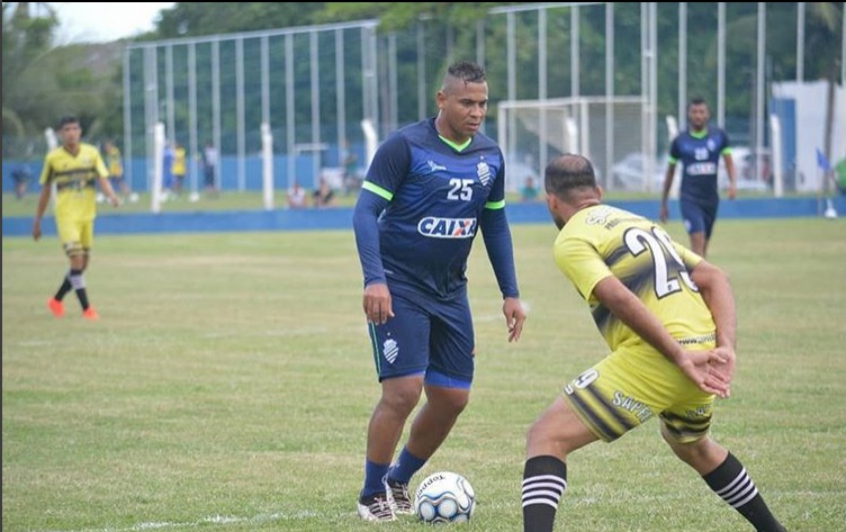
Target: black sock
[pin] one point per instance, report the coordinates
(78, 283)
(544, 481)
(731, 482)
(64, 289)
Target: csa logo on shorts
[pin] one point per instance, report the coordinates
(391, 350)
(447, 227)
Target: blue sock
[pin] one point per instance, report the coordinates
(407, 464)
(373, 478)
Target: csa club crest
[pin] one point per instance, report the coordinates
(391, 350)
(484, 172)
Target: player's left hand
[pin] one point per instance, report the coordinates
(515, 315)
(697, 365)
(723, 363)
(115, 201)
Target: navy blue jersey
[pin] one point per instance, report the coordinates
(435, 196)
(699, 155)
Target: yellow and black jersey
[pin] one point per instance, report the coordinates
(601, 241)
(75, 177)
(113, 162)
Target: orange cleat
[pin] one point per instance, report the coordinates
(56, 307)
(91, 314)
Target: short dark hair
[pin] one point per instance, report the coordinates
(67, 119)
(467, 71)
(697, 101)
(568, 172)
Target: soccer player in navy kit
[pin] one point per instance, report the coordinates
(699, 150)
(431, 187)
(669, 319)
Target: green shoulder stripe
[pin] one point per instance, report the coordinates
(376, 189)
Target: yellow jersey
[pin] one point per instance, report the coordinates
(602, 241)
(179, 167)
(113, 162)
(75, 177)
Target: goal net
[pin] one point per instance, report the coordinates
(611, 132)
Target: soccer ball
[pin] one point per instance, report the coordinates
(445, 497)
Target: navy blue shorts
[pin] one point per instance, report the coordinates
(698, 218)
(433, 338)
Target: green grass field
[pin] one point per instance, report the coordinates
(228, 386)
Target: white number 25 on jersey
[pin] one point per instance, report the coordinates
(460, 189)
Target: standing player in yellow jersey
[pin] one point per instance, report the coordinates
(114, 164)
(179, 168)
(73, 168)
(668, 317)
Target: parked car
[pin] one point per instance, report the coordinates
(745, 163)
(627, 174)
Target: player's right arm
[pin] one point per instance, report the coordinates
(44, 198)
(388, 168)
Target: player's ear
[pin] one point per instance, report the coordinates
(599, 192)
(551, 201)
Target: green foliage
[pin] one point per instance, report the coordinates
(207, 18)
(26, 41)
(41, 81)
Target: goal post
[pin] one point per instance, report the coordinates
(607, 130)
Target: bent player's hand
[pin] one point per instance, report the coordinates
(36, 230)
(723, 363)
(515, 315)
(697, 365)
(377, 303)
(115, 201)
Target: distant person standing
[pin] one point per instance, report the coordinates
(699, 149)
(167, 169)
(529, 192)
(21, 175)
(210, 160)
(73, 168)
(180, 168)
(114, 164)
(350, 162)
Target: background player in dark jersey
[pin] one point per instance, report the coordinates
(668, 317)
(699, 149)
(431, 187)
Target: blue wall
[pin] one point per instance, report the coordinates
(341, 218)
(303, 167)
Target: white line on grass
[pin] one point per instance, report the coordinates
(214, 520)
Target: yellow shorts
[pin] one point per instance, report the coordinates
(77, 236)
(629, 387)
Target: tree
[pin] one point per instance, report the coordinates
(26, 39)
(824, 19)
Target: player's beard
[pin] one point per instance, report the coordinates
(559, 221)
